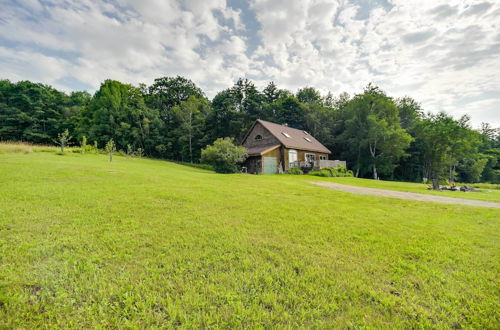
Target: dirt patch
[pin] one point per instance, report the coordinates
(405, 195)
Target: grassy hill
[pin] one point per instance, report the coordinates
(138, 243)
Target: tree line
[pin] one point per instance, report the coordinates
(379, 136)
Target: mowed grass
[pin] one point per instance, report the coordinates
(143, 243)
(484, 192)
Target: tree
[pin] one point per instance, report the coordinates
(110, 149)
(290, 111)
(34, 112)
(372, 133)
(445, 143)
(192, 114)
(63, 139)
(165, 96)
(117, 111)
(84, 144)
(224, 155)
(308, 95)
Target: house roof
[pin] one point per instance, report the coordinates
(257, 151)
(294, 138)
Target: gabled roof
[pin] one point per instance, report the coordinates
(292, 137)
(257, 151)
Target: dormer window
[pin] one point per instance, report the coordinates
(258, 137)
(305, 133)
(307, 139)
(286, 134)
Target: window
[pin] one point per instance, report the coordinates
(307, 139)
(286, 134)
(305, 133)
(258, 137)
(292, 158)
(323, 157)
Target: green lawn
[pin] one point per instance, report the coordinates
(144, 243)
(486, 194)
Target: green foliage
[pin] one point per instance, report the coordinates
(63, 139)
(373, 134)
(295, 171)
(380, 137)
(110, 149)
(333, 172)
(84, 144)
(323, 173)
(224, 155)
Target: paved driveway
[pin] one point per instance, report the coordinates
(405, 195)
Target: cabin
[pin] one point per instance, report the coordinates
(274, 148)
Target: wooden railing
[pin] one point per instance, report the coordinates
(317, 164)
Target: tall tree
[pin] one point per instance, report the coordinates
(445, 142)
(373, 133)
(117, 111)
(192, 114)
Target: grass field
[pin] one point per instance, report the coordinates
(486, 192)
(145, 243)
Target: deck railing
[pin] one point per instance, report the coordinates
(317, 164)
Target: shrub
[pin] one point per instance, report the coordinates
(295, 171)
(339, 171)
(323, 173)
(224, 155)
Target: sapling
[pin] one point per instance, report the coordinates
(129, 150)
(96, 150)
(63, 138)
(110, 149)
(84, 144)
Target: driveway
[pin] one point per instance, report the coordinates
(405, 195)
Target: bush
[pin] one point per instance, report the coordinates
(323, 173)
(295, 171)
(224, 155)
(339, 171)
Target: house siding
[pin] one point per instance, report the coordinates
(267, 137)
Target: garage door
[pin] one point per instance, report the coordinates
(270, 165)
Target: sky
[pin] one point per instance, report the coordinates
(444, 54)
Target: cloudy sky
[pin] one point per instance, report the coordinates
(445, 54)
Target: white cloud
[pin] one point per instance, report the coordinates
(445, 54)
(436, 53)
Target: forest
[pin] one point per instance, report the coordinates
(379, 136)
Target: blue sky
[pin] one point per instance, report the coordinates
(445, 54)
